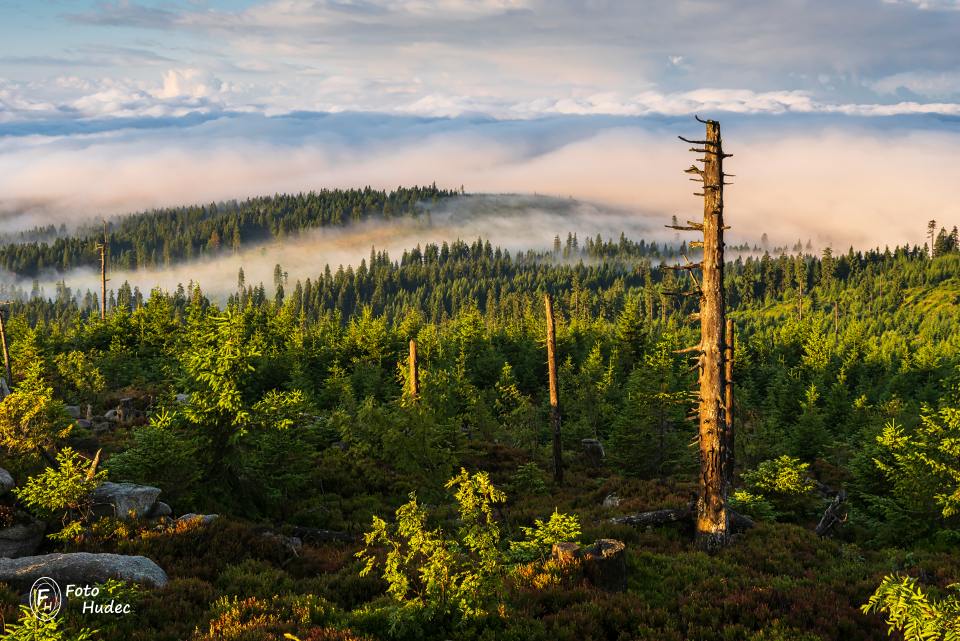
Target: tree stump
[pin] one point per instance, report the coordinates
(566, 553)
(605, 564)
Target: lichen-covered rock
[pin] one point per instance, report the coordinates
(203, 519)
(81, 568)
(124, 500)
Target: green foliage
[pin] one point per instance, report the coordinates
(162, 456)
(753, 505)
(539, 539)
(447, 578)
(528, 479)
(646, 438)
(912, 612)
(79, 376)
(62, 491)
(30, 417)
(30, 628)
(923, 464)
(782, 483)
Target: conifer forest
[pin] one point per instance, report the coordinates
(583, 347)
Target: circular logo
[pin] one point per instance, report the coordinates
(45, 599)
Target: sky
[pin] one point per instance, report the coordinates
(842, 116)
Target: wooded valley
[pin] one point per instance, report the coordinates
(369, 453)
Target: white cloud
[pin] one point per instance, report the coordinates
(928, 5)
(189, 83)
(923, 83)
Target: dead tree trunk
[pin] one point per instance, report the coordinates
(554, 392)
(414, 372)
(728, 436)
(711, 509)
(712, 522)
(103, 274)
(6, 352)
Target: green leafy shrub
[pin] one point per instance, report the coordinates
(427, 571)
(159, 456)
(752, 505)
(62, 492)
(539, 539)
(910, 611)
(31, 419)
(528, 479)
(784, 483)
(922, 463)
(30, 628)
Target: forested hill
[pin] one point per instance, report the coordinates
(289, 408)
(164, 236)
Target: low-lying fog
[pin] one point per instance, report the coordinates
(511, 222)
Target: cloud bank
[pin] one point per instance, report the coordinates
(851, 185)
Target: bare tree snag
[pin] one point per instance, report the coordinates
(728, 436)
(102, 247)
(834, 515)
(554, 392)
(712, 521)
(6, 352)
(414, 371)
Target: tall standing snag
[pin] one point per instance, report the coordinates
(712, 523)
(554, 392)
(102, 247)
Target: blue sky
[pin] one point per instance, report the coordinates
(107, 106)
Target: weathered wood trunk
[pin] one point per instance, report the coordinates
(414, 371)
(103, 274)
(729, 433)
(834, 515)
(712, 525)
(554, 392)
(6, 352)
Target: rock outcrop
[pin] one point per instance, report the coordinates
(124, 500)
(81, 568)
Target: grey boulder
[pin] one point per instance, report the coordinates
(203, 519)
(22, 539)
(124, 500)
(81, 568)
(6, 481)
(160, 509)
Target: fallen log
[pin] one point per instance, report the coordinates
(657, 517)
(737, 522)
